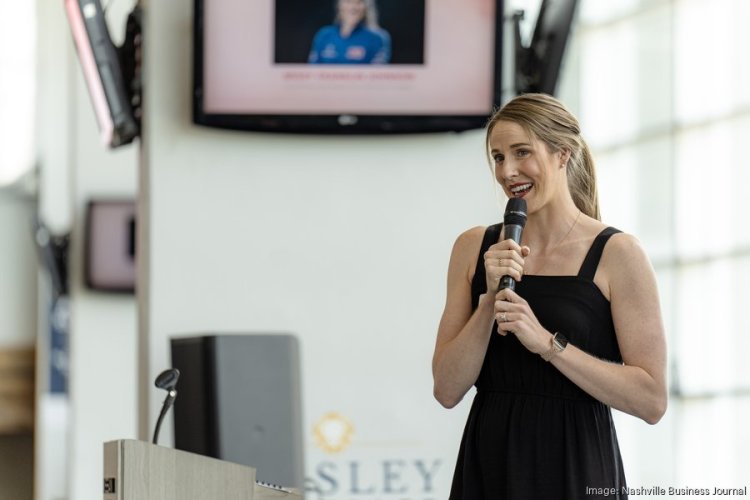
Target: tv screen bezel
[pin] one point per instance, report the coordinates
(346, 123)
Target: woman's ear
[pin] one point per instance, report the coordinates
(564, 157)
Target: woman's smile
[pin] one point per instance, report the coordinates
(519, 190)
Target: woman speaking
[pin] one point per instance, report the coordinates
(581, 333)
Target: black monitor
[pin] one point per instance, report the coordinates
(300, 66)
(538, 65)
(101, 66)
(109, 251)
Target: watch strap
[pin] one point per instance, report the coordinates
(558, 343)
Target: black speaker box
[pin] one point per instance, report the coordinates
(239, 399)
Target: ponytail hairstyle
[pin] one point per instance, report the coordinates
(544, 117)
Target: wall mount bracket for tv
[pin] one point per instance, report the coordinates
(538, 63)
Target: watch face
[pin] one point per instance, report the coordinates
(561, 341)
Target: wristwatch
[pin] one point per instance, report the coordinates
(558, 344)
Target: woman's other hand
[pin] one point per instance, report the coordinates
(513, 314)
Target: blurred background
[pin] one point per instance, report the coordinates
(344, 242)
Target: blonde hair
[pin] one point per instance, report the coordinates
(547, 119)
(371, 14)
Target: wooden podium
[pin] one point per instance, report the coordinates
(137, 470)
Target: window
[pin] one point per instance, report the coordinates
(17, 90)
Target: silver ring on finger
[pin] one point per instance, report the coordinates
(503, 317)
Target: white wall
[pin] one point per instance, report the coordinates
(74, 168)
(343, 241)
(103, 328)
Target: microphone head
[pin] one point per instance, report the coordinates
(167, 379)
(515, 212)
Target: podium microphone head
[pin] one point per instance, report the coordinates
(167, 379)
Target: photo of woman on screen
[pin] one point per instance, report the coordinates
(355, 37)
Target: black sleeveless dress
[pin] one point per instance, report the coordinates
(531, 432)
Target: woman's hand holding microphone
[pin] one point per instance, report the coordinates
(512, 313)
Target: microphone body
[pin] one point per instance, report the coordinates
(513, 224)
(166, 380)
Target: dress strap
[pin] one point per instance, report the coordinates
(478, 283)
(591, 262)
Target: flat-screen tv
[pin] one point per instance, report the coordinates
(109, 253)
(101, 66)
(347, 66)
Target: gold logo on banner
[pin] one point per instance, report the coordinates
(333, 432)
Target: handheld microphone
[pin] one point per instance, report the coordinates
(513, 224)
(166, 380)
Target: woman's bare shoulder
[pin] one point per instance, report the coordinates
(624, 261)
(466, 249)
(471, 237)
(623, 249)
(470, 241)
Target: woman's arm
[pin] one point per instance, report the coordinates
(638, 386)
(463, 336)
(383, 52)
(317, 45)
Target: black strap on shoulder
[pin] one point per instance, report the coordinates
(479, 283)
(591, 262)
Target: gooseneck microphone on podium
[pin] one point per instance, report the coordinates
(513, 224)
(166, 380)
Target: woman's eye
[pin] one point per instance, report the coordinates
(521, 153)
(498, 158)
